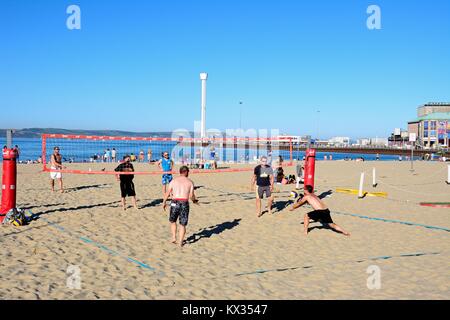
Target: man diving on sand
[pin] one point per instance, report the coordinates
(321, 213)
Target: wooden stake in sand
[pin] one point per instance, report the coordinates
(361, 184)
(448, 175)
(374, 178)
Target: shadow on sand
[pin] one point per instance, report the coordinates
(108, 204)
(153, 203)
(86, 187)
(210, 231)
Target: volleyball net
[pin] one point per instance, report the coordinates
(83, 154)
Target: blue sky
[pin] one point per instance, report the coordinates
(135, 65)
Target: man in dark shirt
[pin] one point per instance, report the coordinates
(263, 178)
(126, 181)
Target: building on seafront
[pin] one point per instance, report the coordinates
(432, 125)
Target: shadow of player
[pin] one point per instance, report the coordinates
(213, 230)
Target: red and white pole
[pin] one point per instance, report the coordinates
(310, 167)
(9, 179)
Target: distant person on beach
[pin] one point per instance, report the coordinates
(56, 165)
(279, 175)
(213, 158)
(299, 170)
(16, 147)
(181, 189)
(126, 181)
(377, 158)
(280, 161)
(149, 155)
(108, 155)
(198, 158)
(113, 155)
(263, 179)
(166, 165)
(141, 156)
(321, 213)
(132, 157)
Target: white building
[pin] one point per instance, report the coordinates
(363, 142)
(380, 142)
(339, 141)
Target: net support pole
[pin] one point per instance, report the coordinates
(44, 152)
(361, 184)
(290, 150)
(9, 138)
(203, 78)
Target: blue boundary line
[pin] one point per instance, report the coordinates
(372, 218)
(96, 244)
(261, 271)
(392, 221)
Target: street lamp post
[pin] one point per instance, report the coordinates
(203, 78)
(317, 125)
(240, 115)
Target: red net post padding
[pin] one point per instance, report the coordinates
(9, 181)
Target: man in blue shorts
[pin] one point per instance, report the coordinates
(166, 165)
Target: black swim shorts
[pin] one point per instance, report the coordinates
(179, 209)
(127, 189)
(322, 216)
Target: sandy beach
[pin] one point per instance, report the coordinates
(230, 253)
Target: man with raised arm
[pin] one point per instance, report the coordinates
(55, 166)
(166, 165)
(126, 181)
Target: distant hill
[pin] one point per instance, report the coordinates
(37, 132)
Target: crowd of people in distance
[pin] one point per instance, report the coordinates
(111, 155)
(28, 161)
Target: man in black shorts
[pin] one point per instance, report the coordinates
(126, 181)
(321, 213)
(263, 178)
(181, 189)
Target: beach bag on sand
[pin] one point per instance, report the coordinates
(16, 217)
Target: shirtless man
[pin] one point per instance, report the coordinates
(321, 213)
(56, 164)
(181, 189)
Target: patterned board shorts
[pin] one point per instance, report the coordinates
(179, 209)
(166, 178)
